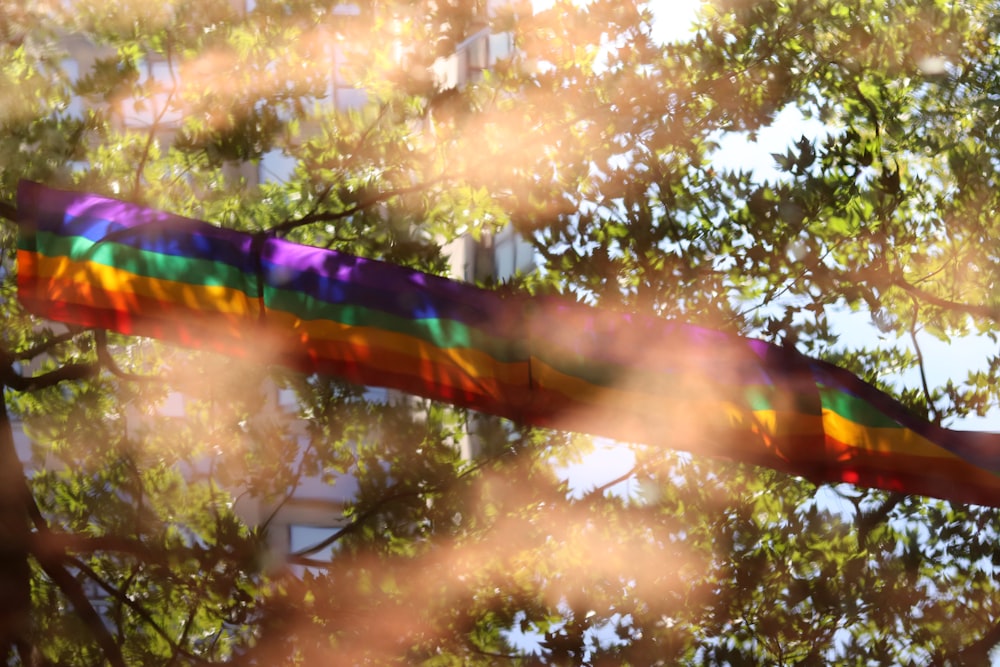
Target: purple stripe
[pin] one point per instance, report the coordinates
(99, 219)
(341, 278)
(43, 201)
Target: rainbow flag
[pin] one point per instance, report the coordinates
(97, 262)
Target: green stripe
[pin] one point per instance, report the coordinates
(663, 383)
(599, 373)
(681, 386)
(760, 397)
(775, 397)
(441, 332)
(857, 410)
(145, 263)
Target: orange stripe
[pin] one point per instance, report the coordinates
(79, 297)
(327, 334)
(427, 362)
(89, 283)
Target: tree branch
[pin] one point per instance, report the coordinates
(298, 556)
(8, 211)
(936, 417)
(47, 345)
(49, 544)
(294, 559)
(78, 371)
(15, 533)
(368, 202)
(989, 312)
(135, 607)
(292, 489)
(598, 491)
(978, 652)
(358, 522)
(155, 128)
(106, 360)
(868, 521)
(68, 584)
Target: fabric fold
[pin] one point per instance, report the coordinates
(93, 261)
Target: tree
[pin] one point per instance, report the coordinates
(595, 140)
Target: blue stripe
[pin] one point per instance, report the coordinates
(406, 300)
(212, 243)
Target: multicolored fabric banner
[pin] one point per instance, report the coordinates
(94, 261)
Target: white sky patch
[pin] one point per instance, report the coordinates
(672, 19)
(737, 151)
(609, 461)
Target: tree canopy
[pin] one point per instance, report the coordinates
(596, 139)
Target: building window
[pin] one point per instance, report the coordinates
(512, 254)
(342, 91)
(478, 51)
(501, 45)
(346, 98)
(173, 405)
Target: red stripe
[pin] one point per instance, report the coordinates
(241, 337)
(190, 329)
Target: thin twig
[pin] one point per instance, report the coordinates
(68, 584)
(154, 127)
(316, 217)
(598, 491)
(135, 607)
(936, 417)
(292, 488)
(298, 557)
(359, 521)
(185, 632)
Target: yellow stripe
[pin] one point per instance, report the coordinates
(865, 438)
(773, 423)
(206, 298)
(471, 362)
(879, 440)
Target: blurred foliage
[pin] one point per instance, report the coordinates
(595, 140)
